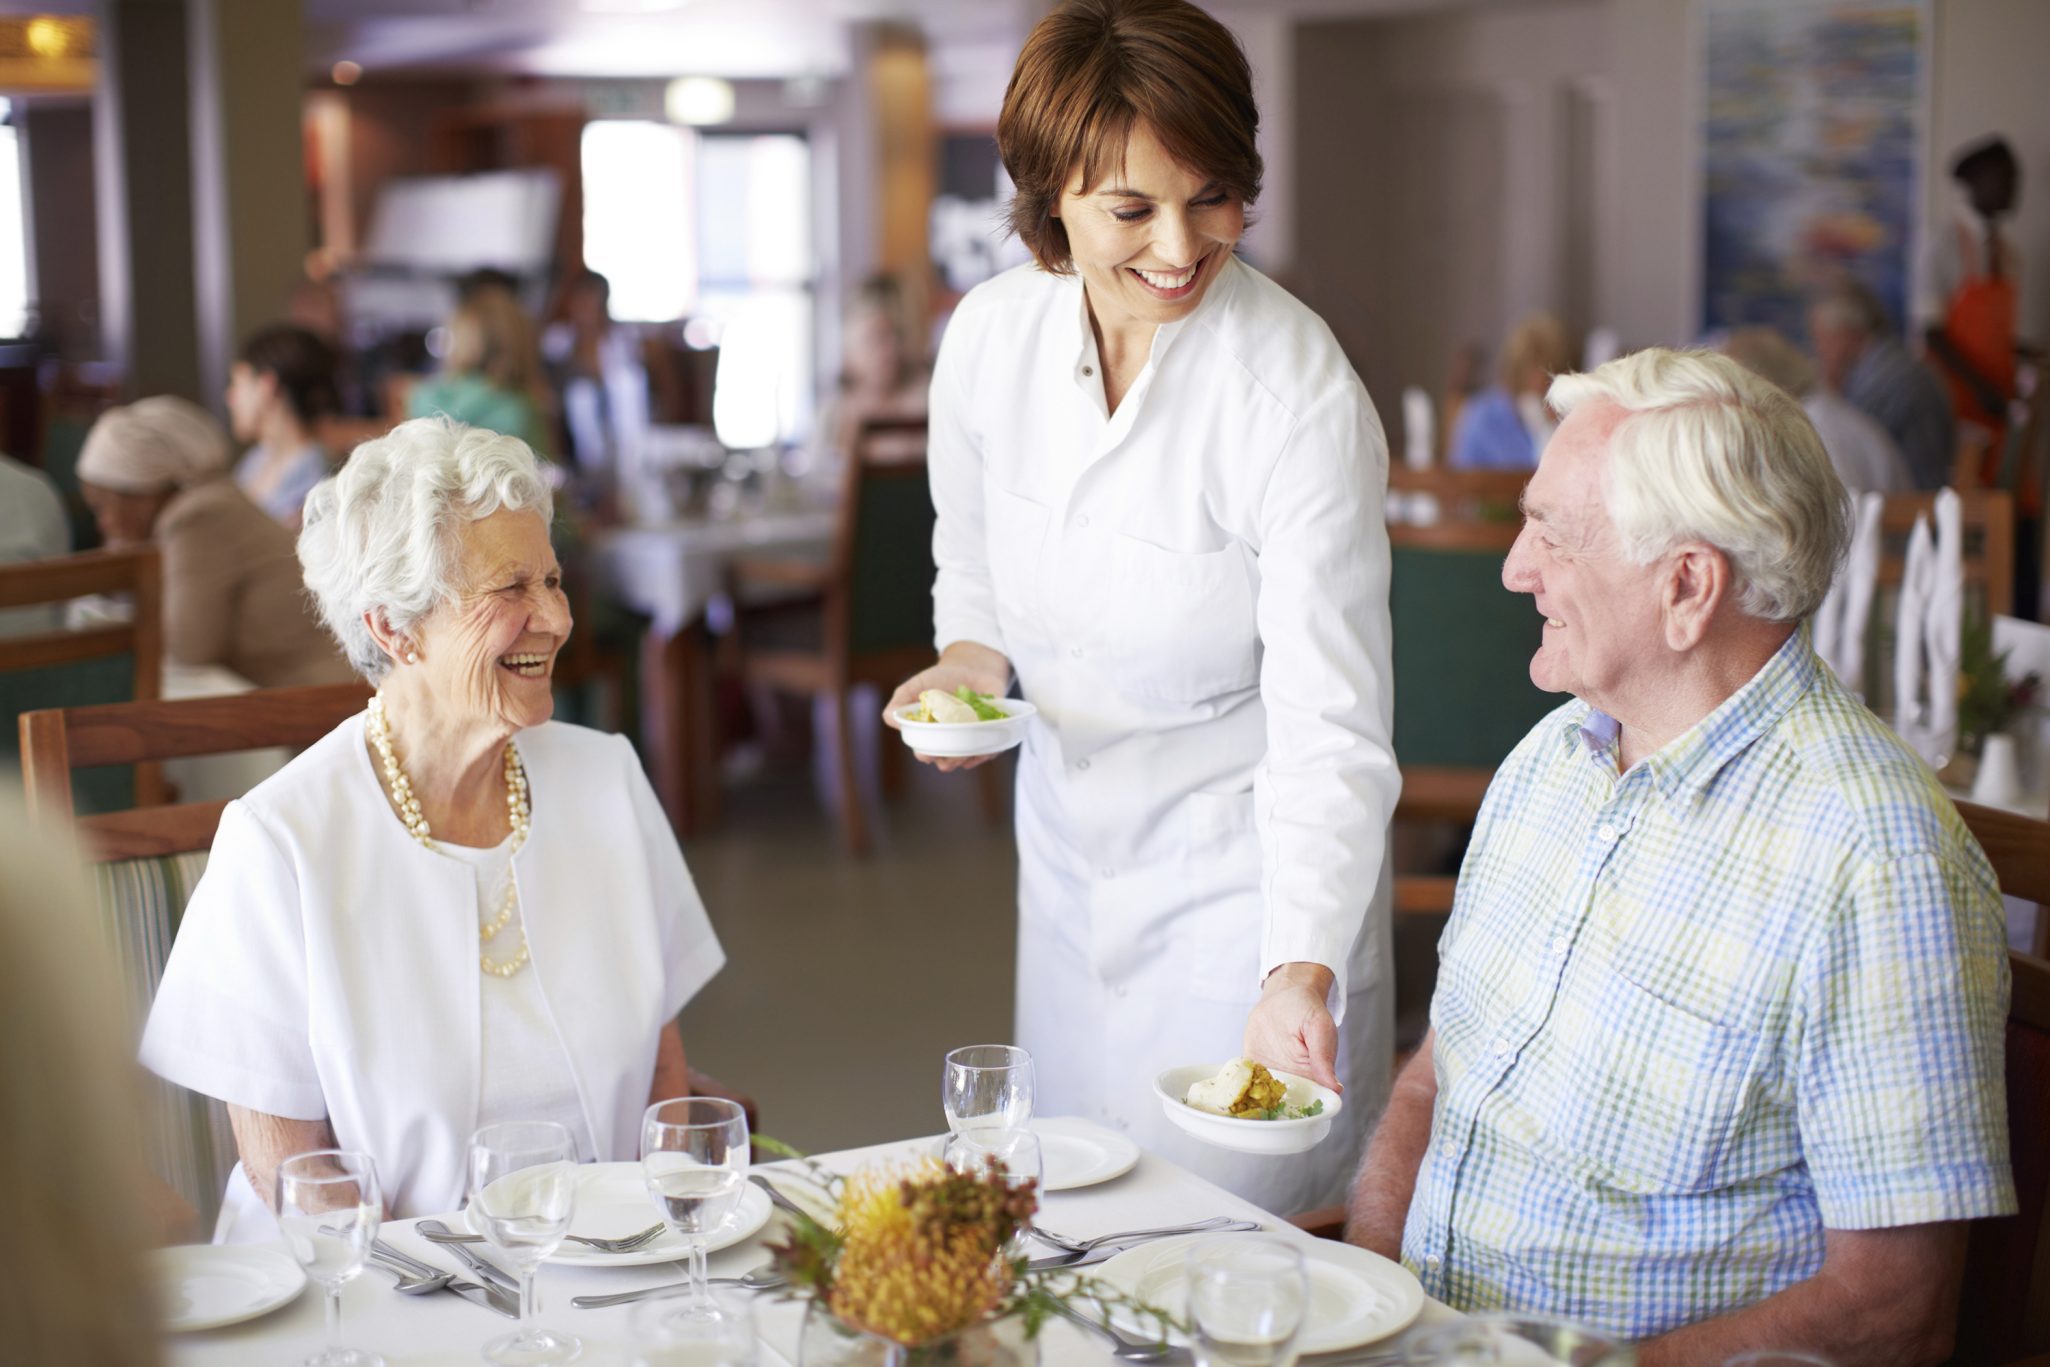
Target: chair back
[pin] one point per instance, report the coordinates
(1987, 521)
(2005, 1311)
(148, 860)
(883, 547)
(1433, 501)
(116, 662)
(1462, 646)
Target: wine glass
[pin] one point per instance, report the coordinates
(523, 1193)
(1506, 1336)
(723, 1338)
(1248, 1299)
(987, 1087)
(694, 1152)
(329, 1206)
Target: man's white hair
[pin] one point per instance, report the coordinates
(1710, 452)
(382, 534)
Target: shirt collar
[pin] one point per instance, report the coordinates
(1688, 763)
(1163, 336)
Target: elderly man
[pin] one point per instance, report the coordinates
(1715, 1055)
(1860, 361)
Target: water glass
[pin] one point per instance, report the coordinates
(329, 1206)
(694, 1153)
(987, 1087)
(724, 1337)
(523, 1194)
(1494, 1337)
(1249, 1300)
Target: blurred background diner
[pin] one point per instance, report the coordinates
(698, 255)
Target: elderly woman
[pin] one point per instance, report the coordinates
(1159, 490)
(157, 470)
(449, 911)
(1505, 425)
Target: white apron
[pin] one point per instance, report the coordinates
(1194, 592)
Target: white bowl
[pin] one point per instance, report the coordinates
(962, 739)
(1247, 1136)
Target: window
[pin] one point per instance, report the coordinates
(14, 309)
(717, 228)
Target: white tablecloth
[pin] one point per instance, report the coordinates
(669, 572)
(414, 1331)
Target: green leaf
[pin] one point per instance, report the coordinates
(980, 702)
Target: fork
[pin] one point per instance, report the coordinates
(1081, 1246)
(412, 1283)
(625, 1243)
(1125, 1348)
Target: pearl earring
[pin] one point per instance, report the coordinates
(412, 657)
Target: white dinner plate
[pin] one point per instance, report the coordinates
(1079, 1153)
(612, 1203)
(965, 739)
(204, 1286)
(1356, 1297)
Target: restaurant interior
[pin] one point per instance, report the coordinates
(701, 255)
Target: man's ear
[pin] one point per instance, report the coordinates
(1697, 581)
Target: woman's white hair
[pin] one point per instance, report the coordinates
(1711, 452)
(381, 534)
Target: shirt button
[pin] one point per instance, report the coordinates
(1082, 520)
(1501, 1045)
(1121, 992)
(1433, 1261)
(1088, 370)
(1075, 652)
(1107, 871)
(1081, 764)
(1606, 832)
(1558, 944)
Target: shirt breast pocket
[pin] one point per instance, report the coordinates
(1015, 528)
(1656, 1097)
(1182, 621)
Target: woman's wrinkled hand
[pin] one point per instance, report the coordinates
(964, 662)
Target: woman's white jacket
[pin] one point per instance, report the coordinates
(327, 965)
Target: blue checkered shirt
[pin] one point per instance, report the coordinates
(1692, 1015)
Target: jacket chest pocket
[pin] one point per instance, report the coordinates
(1181, 622)
(1014, 528)
(1659, 1095)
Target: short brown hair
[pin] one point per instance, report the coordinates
(1095, 69)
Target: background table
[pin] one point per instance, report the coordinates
(669, 573)
(415, 1331)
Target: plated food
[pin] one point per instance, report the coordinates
(1244, 1106)
(963, 723)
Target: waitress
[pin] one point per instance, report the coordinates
(1159, 489)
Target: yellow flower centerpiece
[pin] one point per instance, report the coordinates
(917, 1270)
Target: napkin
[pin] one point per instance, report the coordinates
(1910, 618)
(1845, 615)
(1945, 623)
(1419, 429)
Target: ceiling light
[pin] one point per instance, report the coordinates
(629, 6)
(698, 100)
(346, 73)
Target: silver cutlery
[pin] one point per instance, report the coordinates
(1125, 1348)
(761, 1279)
(417, 1278)
(471, 1259)
(1070, 1245)
(411, 1283)
(1103, 1253)
(626, 1243)
(778, 1199)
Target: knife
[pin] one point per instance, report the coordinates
(490, 1297)
(472, 1259)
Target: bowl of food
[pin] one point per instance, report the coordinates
(1245, 1106)
(963, 723)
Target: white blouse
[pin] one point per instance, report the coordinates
(327, 966)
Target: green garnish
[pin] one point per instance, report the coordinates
(1293, 1112)
(980, 702)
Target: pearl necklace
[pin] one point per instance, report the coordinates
(517, 806)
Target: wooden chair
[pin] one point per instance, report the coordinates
(148, 861)
(2005, 1311)
(864, 616)
(1469, 506)
(58, 666)
(1988, 523)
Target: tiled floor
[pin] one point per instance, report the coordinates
(848, 980)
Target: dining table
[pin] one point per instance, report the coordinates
(442, 1330)
(670, 572)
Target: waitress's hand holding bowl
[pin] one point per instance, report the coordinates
(964, 662)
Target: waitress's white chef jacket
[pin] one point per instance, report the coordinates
(327, 965)
(1194, 593)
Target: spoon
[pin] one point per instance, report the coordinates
(411, 1283)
